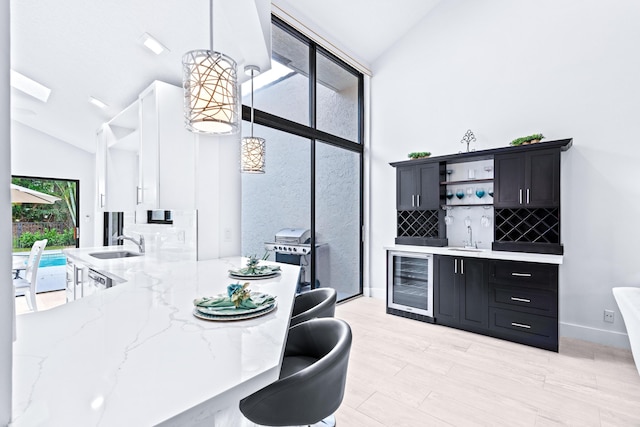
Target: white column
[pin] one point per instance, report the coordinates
(7, 298)
(218, 196)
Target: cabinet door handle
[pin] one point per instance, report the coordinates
(521, 274)
(520, 299)
(527, 196)
(102, 200)
(418, 197)
(455, 266)
(461, 266)
(521, 325)
(520, 196)
(138, 194)
(413, 200)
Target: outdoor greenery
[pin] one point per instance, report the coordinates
(51, 218)
(54, 238)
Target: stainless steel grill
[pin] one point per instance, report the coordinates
(293, 241)
(291, 246)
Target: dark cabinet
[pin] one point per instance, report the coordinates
(418, 187)
(523, 303)
(529, 180)
(420, 220)
(461, 297)
(512, 300)
(527, 201)
(446, 291)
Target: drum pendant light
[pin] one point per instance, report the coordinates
(211, 91)
(252, 154)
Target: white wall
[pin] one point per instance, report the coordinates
(505, 69)
(7, 298)
(37, 154)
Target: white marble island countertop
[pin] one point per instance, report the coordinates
(135, 355)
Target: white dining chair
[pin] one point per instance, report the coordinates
(30, 280)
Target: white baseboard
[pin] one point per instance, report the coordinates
(377, 293)
(598, 336)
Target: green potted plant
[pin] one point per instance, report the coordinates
(419, 155)
(531, 139)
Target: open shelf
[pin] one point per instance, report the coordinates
(467, 181)
(469, 205)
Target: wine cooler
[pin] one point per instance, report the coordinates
(410, 283)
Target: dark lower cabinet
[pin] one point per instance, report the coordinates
(512, 300)
(461, 299)
(523, 303)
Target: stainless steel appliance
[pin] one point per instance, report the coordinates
(291, 246)
(410, 283)
(98, 280)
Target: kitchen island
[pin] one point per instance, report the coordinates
(134, 354)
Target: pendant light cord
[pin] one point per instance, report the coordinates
(211, 25)
(252, 71)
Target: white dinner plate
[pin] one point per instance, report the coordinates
(233, 315)
(236, 275)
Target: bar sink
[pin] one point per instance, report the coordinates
(115, 254)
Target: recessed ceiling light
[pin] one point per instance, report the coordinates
(29, 86)
(152, 44)
(97, 102)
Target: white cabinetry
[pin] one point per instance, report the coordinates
(145, 158)
(101, 170)
(117, 150)
(76, 278)
(167, 150)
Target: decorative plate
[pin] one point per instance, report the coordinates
(239, 314)
(235, 274)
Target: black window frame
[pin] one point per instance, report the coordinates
(313, 134)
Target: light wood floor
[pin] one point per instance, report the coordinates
(408, 373)
(44, 300)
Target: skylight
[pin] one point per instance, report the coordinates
(29, 86)
(152, 44)
(95, 101)
(278, 71)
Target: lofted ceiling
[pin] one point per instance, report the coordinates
(83, 48)
(363, 29)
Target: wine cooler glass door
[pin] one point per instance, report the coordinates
(410, 282)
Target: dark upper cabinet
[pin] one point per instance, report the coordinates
(527, 180)
(461, 293)
(418, 187)
(405, 188)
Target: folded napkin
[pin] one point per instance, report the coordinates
(222, 302)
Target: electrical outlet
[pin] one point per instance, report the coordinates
(608, 316)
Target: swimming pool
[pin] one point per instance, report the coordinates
(52, 260)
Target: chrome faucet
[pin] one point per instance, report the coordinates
(470, 243)
(140, 242)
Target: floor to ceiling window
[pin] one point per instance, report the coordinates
(308, 107)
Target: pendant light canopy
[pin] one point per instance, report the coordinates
(253, 148)
(211, 91)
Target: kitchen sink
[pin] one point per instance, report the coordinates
(115, 254)
(466, 249)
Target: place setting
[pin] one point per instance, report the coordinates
(239, 303)
(255, 271)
